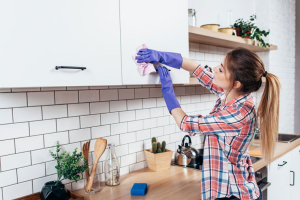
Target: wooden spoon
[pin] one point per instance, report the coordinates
(85, 152)
(100, 147)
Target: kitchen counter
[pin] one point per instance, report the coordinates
(176, 183)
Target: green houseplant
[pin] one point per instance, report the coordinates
(247, 29)
(67, 168)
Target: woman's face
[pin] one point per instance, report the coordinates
(221, 76)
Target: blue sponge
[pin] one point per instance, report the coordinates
(138, 189)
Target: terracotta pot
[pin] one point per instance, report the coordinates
(238, 30)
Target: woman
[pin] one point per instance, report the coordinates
(227, 171)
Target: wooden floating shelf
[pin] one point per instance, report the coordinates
(209, 37)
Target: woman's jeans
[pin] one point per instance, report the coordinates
(234, 198)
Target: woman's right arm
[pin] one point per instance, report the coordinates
(204, 76)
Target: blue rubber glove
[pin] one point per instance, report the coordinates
(167, 58)
(167, 88)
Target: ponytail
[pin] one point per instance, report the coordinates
(268, 112)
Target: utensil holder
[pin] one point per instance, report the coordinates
(96, 184)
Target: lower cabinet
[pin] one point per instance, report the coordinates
(284, 175)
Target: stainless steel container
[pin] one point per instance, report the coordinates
(186, 155)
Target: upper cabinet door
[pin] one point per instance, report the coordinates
(38, 35)
(162, 26)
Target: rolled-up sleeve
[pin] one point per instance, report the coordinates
(228, 122)
(205, 79)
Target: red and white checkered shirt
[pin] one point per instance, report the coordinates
(227, 168)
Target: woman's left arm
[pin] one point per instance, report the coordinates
(178, 115)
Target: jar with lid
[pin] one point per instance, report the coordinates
(112, 167)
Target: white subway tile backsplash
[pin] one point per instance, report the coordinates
(109, 118)
(10, 131)
(15, 161)
(142, 114)
(89, 95)
(42, 155)
(169, 129)
(140, 156)
(27, 114)
(121, 150)
(149, 123)
(62, 97)
(185, 99)
(9, 100)
(42, 127)
(99, 107)
(22, 188)
(50, 112)
(80, 135)
(128, 159)
(8, 178)
(78, 109)
(39, 183)
(161, 121)
(142, 93)
(126, 94)
(124, 170)
(29, 143)
(113, 139)
(50, 167)
(31, 172)
(149, 103)
(108, 95)
(157, 112)
(136, 166)
(6, 116)
(118, 128)
(128, 138)
(199, 56)
(78, 185)
(127, 116)
(89, 121)
(136, 146)
(100, 131)
(40, 98)
(135, 125)
(158, 131)
(51, 139)
(143, 134)
(7, 147)
(160, 102)
(134, 104)
(65, 124)
(118, 106)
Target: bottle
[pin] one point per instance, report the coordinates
(112, 167)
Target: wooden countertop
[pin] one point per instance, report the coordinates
(176, 183)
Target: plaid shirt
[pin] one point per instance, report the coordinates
(227, 169)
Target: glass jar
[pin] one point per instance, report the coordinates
(192, 17)
(112, 167)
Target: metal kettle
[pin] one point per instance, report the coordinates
(186, 155)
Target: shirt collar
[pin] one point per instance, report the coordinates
(239, 99)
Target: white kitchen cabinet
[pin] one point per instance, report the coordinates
(38, 35)
(295, 174)
(279, 176)
(162, 26)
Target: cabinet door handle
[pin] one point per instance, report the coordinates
(284, 162)
(69, 67)
(293, 178)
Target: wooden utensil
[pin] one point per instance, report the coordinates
(100, 147)
(85, 152)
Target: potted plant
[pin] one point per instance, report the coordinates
(247, 29)
(67, 168)
(158, 158)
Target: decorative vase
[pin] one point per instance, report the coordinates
(53, 191)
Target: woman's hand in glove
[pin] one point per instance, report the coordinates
(152, 56)
(167, 88)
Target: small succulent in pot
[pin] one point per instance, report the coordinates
(67, 168)
(157, 147)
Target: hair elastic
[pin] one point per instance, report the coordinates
(265, 74)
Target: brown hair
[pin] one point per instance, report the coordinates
(246, 67)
